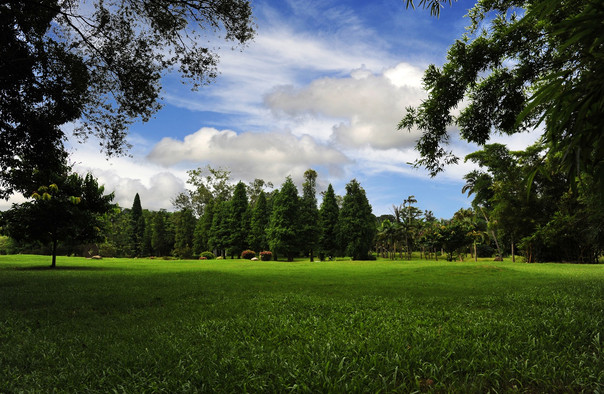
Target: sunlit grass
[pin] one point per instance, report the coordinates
(152, 325)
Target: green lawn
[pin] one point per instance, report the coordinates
(232, 326)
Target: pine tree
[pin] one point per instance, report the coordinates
(283, 231)
(184, 226)
(137, 227)
(203, 228)
(328, 224)
(219, 232)
(356, 224)
(309, 214)
(238, 221)
(259, 225)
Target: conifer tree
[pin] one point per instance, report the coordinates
(309, 214)
(356, 224)
(328, 224)
(238, 221)
(283, 231)
(137, 227)
(259, 224)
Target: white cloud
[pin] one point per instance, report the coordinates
(269, 155)
(366, 107)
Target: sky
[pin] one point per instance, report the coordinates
(323, 85)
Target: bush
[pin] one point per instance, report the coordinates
(248, 254)
(207, 255)
(266, 255)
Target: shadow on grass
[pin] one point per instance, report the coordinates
(64, 268)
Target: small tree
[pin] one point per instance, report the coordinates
(69, 209)
(309, 214)
(259, 224)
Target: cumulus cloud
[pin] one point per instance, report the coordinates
(269, 155)
(365, 107)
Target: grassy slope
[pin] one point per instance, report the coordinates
(142, 325)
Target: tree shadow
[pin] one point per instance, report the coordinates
(64, 268)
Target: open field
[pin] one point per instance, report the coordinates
(233, 326)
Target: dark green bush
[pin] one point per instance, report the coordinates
(207, 255)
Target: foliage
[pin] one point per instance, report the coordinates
(219, 232)
(356, 223)
(259, 222)
(137, 227)
(239, 220)
(100, 63)
(516, 71)
(329, 214)
(162, 236)
(248, 254)
(7, 245)
(309, 214)
(68, 210)
(387, 326)
(283, 231)
(201, 234)
(184, 228)
(207, 255)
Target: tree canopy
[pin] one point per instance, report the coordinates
(99, 63)
(535, 63)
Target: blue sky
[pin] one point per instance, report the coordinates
(322, 86)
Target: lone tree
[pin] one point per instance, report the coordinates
(137, 226)
(69, 209)
(538, 66)
(100, 63)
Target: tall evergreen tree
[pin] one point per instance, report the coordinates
(238, 221)
(219, 232)
(162, 239)
(309, 214)
(203, 228)
(259, 224)
(184, 226)
(357, 223)
(283, 233)
(328, 224)
(137, 227)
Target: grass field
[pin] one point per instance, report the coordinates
(235, 326)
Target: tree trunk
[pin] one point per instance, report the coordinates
(513, 252)
(312, 256)
(475, 253)
(54, 254)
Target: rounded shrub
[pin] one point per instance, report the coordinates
(207, 255)
(248, 254)
(266, 255)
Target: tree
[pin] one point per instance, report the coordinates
(328, 224)
(67, 210)
(162, 236)
(184, 227)
(219, 240)
(259, 224)
(209, 184)
(203, 228)
(520, 70)
(356, 223)
(137, 227)
(283, 231)
(60, 63)
(238, 221)
(309, 214)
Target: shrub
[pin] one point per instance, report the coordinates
(207, 255)
(266, 255)
(248, 254)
